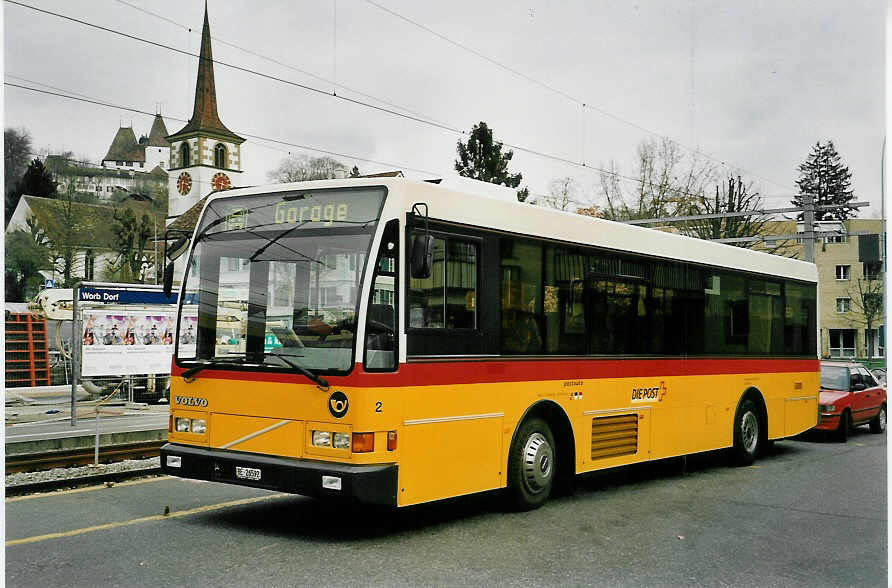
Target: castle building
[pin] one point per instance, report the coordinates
(204, 154)
(126, 153)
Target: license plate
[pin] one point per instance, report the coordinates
(247, 473)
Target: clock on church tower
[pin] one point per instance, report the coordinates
(184, 183)
(220, 181)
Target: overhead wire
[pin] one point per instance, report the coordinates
(251, 135)
(280, 63)
(418, 119)
(585, 104)
(70, 96)
(427, 117)
(239, 68)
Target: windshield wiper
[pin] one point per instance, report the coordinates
(189, 374)
(318, 380)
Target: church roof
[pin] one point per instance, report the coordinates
(124, 147)
(205, 119)
(158, 133)
(188, 220)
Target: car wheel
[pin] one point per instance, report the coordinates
(878, 423)
(844, 427)
(531, 465)
(747, 434)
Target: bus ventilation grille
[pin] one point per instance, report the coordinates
(614, 436)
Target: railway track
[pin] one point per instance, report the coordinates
(32, 462)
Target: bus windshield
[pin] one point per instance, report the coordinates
(274, 280)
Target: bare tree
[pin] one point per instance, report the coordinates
(867, 300)
(733, 196)
(667, 183)
(562, 193)
(16, 154)
(301, 168)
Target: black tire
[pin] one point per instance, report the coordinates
(878, 423)
(844, 428)
(747, 434)
(531, 465)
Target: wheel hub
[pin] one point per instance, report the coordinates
(538, 462)
(749, 431)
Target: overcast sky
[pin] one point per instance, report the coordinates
(753, 84)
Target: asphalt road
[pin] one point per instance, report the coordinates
(810, 513)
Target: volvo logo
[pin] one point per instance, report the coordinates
(337, 404)
(191, 401)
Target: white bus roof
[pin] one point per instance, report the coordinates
(446, 203)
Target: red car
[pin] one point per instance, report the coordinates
(850, 396)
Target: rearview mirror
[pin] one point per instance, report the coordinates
(177, 248)
(422, 255)
(168, 279)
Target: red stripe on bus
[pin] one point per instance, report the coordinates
(480, 372)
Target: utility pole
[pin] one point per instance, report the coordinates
(807, 209)
(808, 235)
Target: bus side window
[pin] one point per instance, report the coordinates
(447, 299)
(380, 330)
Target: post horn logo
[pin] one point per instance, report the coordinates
(337, 404)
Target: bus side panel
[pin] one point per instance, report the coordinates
(801, 405)
(451, 458)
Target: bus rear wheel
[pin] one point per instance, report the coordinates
(531, 465)
(747, 434)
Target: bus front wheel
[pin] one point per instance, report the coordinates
(531, 465)
(747, 433)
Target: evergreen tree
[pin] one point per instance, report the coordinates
(37, 181)
(481, 158)
(354, 173)
(824, 175)
(132, 236)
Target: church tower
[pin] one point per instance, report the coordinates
(204, 154)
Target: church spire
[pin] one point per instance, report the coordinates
(204, 113)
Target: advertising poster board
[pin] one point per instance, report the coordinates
(123, 342)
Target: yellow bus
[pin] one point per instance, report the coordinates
(396, 342)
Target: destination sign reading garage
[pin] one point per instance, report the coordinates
(315, 209)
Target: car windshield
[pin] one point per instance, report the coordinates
(274, 279)
(834, 377)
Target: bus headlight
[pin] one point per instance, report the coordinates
(321, 439)
(199, 426)
(182, 425)
(341, 441)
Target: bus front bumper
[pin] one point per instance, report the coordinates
(370, 484)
